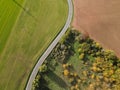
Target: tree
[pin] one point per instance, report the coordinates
(81, 57)
(66, 72)
(43, 68)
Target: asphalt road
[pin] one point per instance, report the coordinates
(50, 48)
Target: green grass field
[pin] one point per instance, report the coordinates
(8, 15)
(26, 30)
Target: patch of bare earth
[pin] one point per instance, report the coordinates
(101, 20)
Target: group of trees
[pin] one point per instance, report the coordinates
(71, 76)
(102, 67)
(40, 83)
(59, 54)
(64, 49)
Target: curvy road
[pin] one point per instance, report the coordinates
(52, 45)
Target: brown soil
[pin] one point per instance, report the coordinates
(101, 20)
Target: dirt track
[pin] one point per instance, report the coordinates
(101, 20)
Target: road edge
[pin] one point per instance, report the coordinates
(52, 45)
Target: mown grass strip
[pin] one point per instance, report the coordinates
(8, 15)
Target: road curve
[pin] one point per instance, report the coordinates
(52, 45)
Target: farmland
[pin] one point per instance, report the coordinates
(26, 30)
(100, 20)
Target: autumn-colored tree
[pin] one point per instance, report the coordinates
(66, 72)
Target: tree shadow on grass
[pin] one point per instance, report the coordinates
(55, 78)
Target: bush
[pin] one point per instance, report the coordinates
(43, 68)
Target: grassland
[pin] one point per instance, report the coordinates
(26, 30)
(8, 15)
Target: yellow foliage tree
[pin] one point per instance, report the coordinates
(66, 72)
